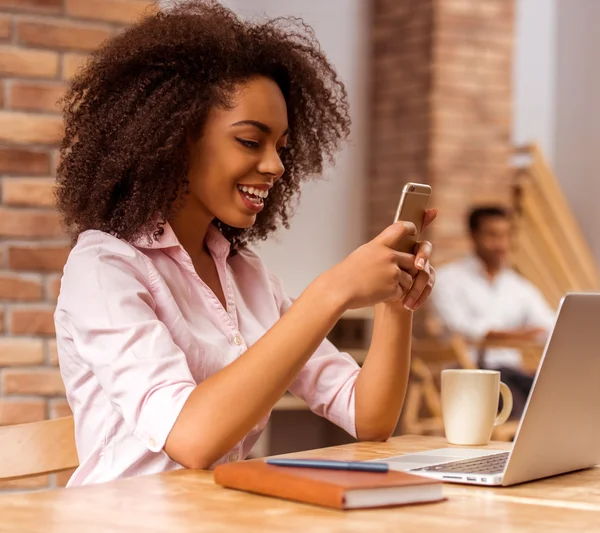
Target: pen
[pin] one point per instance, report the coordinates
(358, 466)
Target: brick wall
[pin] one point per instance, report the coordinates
(42, 42)
(441, 101)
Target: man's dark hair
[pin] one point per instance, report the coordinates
(479, 214)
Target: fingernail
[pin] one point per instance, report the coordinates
(420, 263)
(408, 304)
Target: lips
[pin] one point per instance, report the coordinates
(252, 197)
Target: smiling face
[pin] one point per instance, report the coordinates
(237, 160)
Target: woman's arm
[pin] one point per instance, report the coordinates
(227, 405)
(382, 382)
(383, 379)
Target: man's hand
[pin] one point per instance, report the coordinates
(521, 334)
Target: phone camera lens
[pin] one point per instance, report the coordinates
(412, 188)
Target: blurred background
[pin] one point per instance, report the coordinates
(488, 101)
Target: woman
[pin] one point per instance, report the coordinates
(187, 137)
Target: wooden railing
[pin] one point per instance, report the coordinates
(550, 248)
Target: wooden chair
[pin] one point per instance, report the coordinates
(37, 448)
(422, 413)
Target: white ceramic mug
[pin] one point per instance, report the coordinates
(470, 405)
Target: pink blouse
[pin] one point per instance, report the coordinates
(137, 330)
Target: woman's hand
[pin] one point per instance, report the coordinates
(425, 278)
(376, 272)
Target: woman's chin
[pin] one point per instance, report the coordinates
(239, 221)
(238, 214)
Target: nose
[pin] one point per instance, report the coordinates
(271, 164)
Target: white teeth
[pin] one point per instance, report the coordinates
(262, 194)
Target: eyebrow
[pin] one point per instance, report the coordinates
(259, 125)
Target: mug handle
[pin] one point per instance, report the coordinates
(507, 404)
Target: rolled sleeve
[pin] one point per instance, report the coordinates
(327, 384)
(159, 414)
(108, 309)
(327, 381)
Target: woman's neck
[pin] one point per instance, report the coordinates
(191, 225)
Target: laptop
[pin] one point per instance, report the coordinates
(559, 431)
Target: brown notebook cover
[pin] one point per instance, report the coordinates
(340, 489)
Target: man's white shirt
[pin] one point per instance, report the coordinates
(471, 304)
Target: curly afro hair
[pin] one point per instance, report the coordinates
(131, 109)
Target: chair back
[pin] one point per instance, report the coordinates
(37, 448)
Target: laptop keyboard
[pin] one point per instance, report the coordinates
(489, 464)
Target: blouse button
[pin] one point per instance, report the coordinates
(234, 457)
(237, 340)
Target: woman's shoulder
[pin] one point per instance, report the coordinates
(96, 252)
(96, 241)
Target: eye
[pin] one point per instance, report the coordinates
(283, 150)
(248, 144)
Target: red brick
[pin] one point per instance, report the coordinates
(62, 478)
(37, 320)
(18, 161)
(28, 128)
(35, 96)
(29, 223)
(122, 11)
(1, 320)
(28, 191)
(43, 258)
(71, 63)
(52, 352)
(61, 35)
(59, 408)
(39, 482)
(17, 287)
(5, 29)
(53, 288)
(28, 63)
(34, 6)
(46, 382)
(467, 26)
(21, 352)
(21, 411)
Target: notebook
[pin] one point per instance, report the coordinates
(339, 489)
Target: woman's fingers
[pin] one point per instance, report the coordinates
(421, 288)
(423, 253)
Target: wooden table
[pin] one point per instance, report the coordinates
(185, 501)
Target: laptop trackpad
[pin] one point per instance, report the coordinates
(411, 461)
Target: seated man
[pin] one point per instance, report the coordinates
(482, 298)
